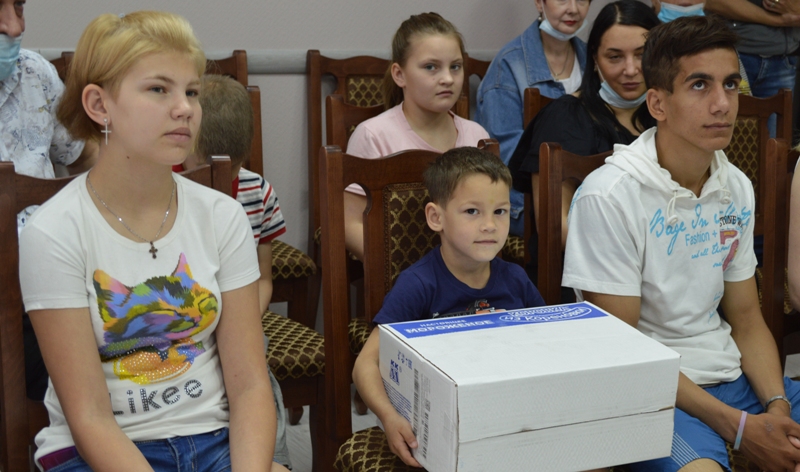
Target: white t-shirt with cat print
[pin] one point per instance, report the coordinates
(153, 319)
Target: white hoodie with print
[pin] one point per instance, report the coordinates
(633, 231)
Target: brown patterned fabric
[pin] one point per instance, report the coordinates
(364, 91)
(368, 451)
(289, 262)
(739, 462)
(514, 250)
(743, 149)
(787, 303)
(410, 236)
(294, 350)
(358, 332)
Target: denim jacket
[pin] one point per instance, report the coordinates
(519, 64)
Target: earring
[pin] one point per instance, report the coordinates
(106, 131)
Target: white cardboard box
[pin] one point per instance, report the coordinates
(561, 388)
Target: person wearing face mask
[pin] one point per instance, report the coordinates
(32, 138)
(606, 110)
(549, 56)
(30, 89)
(669, 10)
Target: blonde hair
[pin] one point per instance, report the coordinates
(417, 25)
(109, 47)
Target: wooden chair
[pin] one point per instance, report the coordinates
(748, 152)
(20, 418)
(296, 356)
(357, 79)
(776, 170)
(556, 166)
(382, 179)
(396, 235)
(472, 67)
(62, 64)
(532, 103)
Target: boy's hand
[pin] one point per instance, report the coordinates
(401, 438)
(768, 441)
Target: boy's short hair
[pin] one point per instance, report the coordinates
(227, 125)
(667, 43)
(443, 175)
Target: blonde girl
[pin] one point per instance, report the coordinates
(140, 266)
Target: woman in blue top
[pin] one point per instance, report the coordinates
(548, 56)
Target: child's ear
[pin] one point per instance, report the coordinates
(398, 76)
(656, 103)
(433, 214)
(94, 103)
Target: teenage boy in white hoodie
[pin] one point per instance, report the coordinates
(662, 235)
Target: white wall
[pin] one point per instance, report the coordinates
(287, 29)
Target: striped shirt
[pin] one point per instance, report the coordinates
(261, 205)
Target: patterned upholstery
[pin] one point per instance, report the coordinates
(787, 303)
(358, 331)
(743, 149)
(289, 262)
(404, 221)
(364, 91)
(294, 351)
(514, 250)
(368, 451)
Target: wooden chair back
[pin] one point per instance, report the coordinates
(341, 119)
(396, 235)
(472, 67)
(533, 101)
(748, 146)
(62, 64)
(776, 169)
(555, 166)
(234, 66)
(20, 418)
(358, 80)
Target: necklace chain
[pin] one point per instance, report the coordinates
(153, 249)
(566, 61)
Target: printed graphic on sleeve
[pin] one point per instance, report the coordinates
(148, 328)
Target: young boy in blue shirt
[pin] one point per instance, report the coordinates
(469, 189)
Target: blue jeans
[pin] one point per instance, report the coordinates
(207, 452)
(767, 75)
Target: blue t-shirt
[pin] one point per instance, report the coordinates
(427, 288)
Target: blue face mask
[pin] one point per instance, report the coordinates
(671, 12)
(9, 52)
(550, 30)
(610, 96)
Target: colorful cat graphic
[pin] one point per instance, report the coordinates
(148, 328)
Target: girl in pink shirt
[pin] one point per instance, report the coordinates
(419, 89)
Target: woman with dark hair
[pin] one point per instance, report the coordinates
(607, 109)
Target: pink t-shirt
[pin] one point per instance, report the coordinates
(390, 132)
